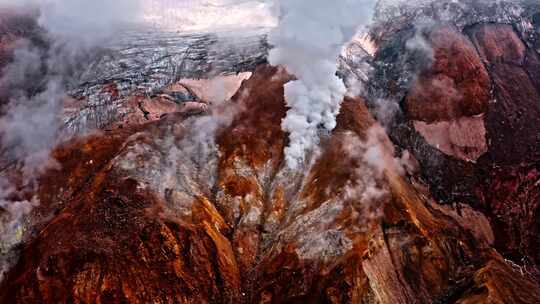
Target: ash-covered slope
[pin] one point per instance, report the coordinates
(143, 62)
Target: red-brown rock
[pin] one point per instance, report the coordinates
(456, 84)
(492, 163)
(151, 213)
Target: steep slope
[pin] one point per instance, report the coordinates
(158, 213)
(179, 197)
(464, 74)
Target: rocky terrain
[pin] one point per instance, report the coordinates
(144, 62)
(427, 191)
(472, 115)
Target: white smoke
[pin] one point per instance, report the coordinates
(34, 86)
(87, 21)
(73, 30)
(419, 45)
(364, 188)
(308, 41)
(12, 226)
(376, 157)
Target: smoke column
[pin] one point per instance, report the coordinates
(307, 41)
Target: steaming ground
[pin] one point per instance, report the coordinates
(89, 46)
(86, 44)
(91, 43)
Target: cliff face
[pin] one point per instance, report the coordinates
(471, 114)
(180, 197)
(156, 212)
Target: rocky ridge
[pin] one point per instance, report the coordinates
(189, 201)
(149, 213)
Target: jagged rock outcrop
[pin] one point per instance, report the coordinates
(156, 212)
(112, 110)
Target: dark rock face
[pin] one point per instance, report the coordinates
(472, 117)
(510, 196)
(513, 120)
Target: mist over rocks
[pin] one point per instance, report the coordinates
(424, 190)
(46, 56)
(233, 224)
(307, 41)
(52, 49)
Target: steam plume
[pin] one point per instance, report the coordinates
(308, 41)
